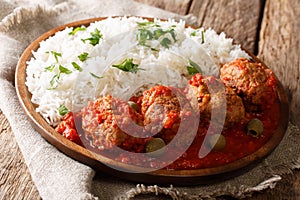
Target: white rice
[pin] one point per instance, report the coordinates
(165, 66)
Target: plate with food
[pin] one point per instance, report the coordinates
(152, 100)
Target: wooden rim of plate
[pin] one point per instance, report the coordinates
(162, 176)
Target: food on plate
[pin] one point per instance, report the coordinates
(127, 83)
(216, 142)
(163, 109)
(210, 91)
(255, 127)
(251, 80)
(117, 57)
(159, 108)
(68, 129)
(104, 121)
(155, 144)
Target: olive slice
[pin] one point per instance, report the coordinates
(155, 146)
(133, 105)
(216, 142)
(255, 127)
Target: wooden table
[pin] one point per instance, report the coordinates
(269, 29)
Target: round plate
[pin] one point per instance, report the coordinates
(98, 162)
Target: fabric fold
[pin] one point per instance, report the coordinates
(21, 14)
(48, 167)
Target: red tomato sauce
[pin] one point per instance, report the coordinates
(238, 143)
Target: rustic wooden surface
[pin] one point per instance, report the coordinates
(279, 47)
(268, 28)
(15, 180)
(224, 16)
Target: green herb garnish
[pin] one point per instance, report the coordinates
(95, 76)
(55, 54)
(82, 57)
(76, 66)
(150, 31)
(95, 37)
(193, 33)
(76, 30)
(166, 42)
(54, 81)
(202, 37)
(193, 68)
(128, 66)
(144, 35)
(62, 110)
(64, 70)
(145, 23)
(50, 68)
(158, 32)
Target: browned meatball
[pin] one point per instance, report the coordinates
(161, 109)
(163, 114)
(101, 121)
(211, 93)
(252, 81)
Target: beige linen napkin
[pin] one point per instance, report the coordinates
(60, 177)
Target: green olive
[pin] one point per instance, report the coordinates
(133, 105)
(255, 127)
(216, 142)
(155, 146)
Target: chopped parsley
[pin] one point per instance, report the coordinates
(82, 57)
(202, 37)
(62, 110)
(95, 37)
(147, 23)
(193, 68)
(76, 30)
(95, 76)
(76, 66)
(50, 68)
(166, 42)
(55, 54)
(143, 36)
(193, 33)
(55, 79)
(148, 31)
(128, 66)
(64, 70)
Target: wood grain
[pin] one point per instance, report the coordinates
(15, 180)
(231, 17)
(279, 47)
(178, 6)
(222, 15)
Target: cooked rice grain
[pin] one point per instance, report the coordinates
(163, 65)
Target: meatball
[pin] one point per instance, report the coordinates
(252, 81)
(211, 93)
(163, 114)
(104, 120)
(155, 102)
